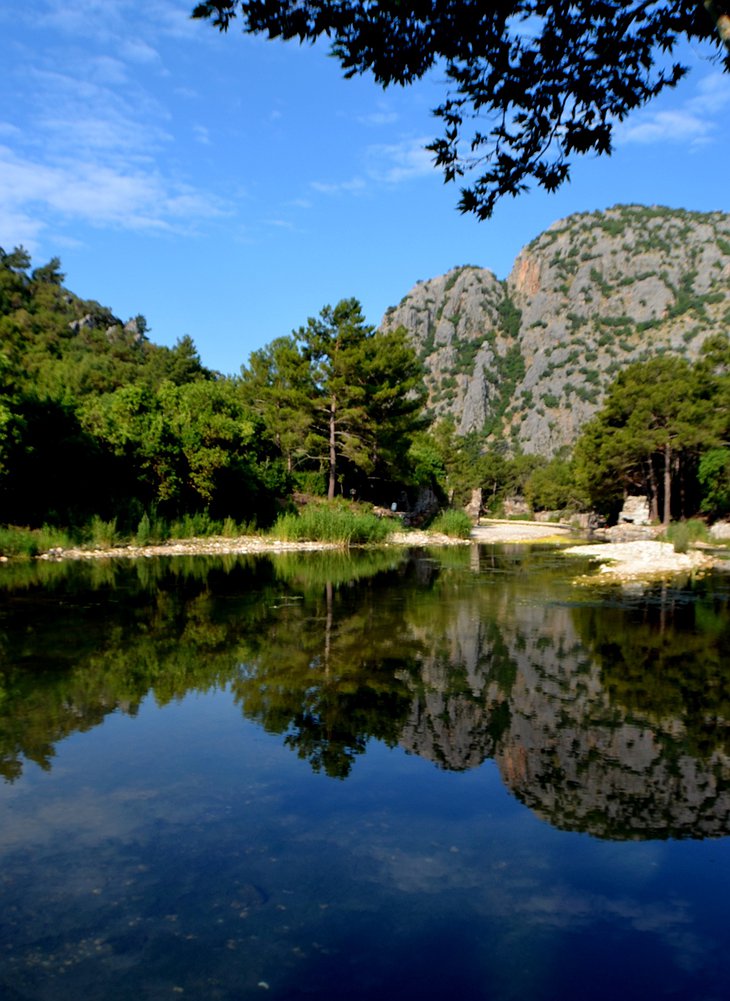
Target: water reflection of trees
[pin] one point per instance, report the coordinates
(323, 672)
(603, 716)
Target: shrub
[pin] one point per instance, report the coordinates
(102, 534)
(191, 525)
(456, 524)
(230, 528)
(683, 533)
(310, 482)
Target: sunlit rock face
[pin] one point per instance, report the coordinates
(531, 357)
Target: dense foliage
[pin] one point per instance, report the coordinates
(528, 84)
(341, 395)
(96, 421)
(663, 432)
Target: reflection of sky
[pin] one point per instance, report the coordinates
(187, 832)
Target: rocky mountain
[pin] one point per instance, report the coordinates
(530, 358)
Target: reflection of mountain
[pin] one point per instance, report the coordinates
(606, 718)
(460, 706)
(578, 761)
(564, 742)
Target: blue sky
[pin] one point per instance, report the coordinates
(228, 187)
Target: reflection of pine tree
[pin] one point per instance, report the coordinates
(324, 677)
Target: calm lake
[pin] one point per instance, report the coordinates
(420, 775)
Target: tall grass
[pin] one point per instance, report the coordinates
(683, 533)
(456, 524)
(16, 540)
(102, 534)
(331, 523)
(152, 529)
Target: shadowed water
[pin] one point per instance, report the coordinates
(438, 774)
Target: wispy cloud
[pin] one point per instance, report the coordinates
(378, 118)
(97, 195)
(667, 126)
(90, 143)
(384, 164)
(286, 224)
(694, 122)
(397, 162)
(350, 186)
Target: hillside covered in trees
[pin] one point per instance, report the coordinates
(600, 367)
(97, 420)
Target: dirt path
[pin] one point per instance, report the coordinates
(519, 531)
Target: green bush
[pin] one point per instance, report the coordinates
(151, 530)
(194, 525)
(309, 482)
(339, 523)
(683, 533)
(102, 534)
(456, 524)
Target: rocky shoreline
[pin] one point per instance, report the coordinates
(242, 545)
(642, 559)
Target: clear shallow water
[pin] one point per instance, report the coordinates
(452, 775)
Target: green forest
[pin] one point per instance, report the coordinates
(105, 433)
(98, 422)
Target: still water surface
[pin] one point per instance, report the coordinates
(443, 774)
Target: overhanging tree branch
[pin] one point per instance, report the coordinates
(529, 85)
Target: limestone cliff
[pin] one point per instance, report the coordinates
(530, 358)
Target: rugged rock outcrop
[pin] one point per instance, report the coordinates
(530, 358)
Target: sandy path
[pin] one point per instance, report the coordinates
(518, 531)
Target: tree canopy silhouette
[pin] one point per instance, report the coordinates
(528, 84)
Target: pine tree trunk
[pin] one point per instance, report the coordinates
(667, 484)
(654, 493)
(333, 450)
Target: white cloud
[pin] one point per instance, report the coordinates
(667, 126)
(713, 94)
(695, 122)
(137, 51)
(398, 162)
(98, 19)
(385, 164)
(377, 118)
(18, 228)
(97, 195)
(339, 187)
(90, 143)
(281, 224)
(108, 71)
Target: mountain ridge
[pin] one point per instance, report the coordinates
(529, 358)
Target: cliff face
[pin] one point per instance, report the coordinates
(530, 358)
